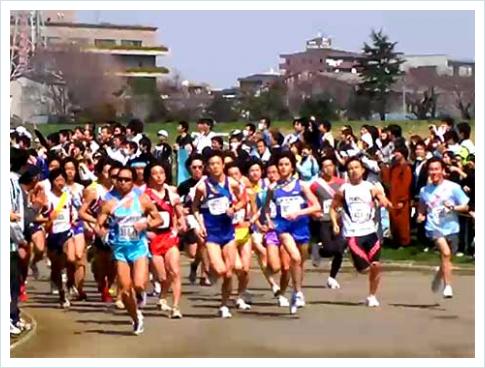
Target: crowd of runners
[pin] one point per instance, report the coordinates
(103, 200)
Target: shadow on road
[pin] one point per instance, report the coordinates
(328, 302)
(107, 332)
(102, 322)
(418, 306)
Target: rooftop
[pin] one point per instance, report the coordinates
(327, 52)
(100, 25)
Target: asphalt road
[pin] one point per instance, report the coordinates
(411, 322)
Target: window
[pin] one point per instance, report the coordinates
(131, 43)
(104, 42)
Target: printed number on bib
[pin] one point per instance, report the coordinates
(239, 216)
(290, 205)
(272, 210)
(218, 206)
(326, 206)
(360, 212)
(128, 233)
(165, 220)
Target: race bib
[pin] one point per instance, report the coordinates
(326, 206)
(128, 233)
(218, 206)
(360, 212)
(290, 205)
(239, 216)
(192, 222)
(165, 220)
(272, 209)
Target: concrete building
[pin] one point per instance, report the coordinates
(255, 83)
(320, 57)
(439, 63)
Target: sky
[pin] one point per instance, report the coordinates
(218, 47)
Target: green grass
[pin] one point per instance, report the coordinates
(417, 255)
(409, 127)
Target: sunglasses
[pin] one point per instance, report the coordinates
(121, 179)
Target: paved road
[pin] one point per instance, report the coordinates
(412, 322)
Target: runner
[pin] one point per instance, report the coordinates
(76, 274)
(59, 215)
(124, 218)
(329, 245)
(294, 203)
(214, 199)
(440, 201)
(164, 240)
(242, 236)
(93, 198)
(273, 257)
(357, 198)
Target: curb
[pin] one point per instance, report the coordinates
(28, 334)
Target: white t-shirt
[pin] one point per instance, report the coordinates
(203, 140)
(358, 209)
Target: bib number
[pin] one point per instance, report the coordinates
(165, 220)
(218, 206)
(239, 216)
(290, 205)
(360, 212)
(326, 206)
(128, 233)
(272, 209)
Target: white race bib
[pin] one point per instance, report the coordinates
(218, 206)
(272, 209)
(326, 206)
(289, 205)
(360, 212)
(239, 216)
(165, 220)
(128, 233)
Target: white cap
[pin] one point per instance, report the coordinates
(367, 138)
(162, 133)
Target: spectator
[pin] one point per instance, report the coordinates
(467, 146)
(307, 168)
(203, 140)
(183, 140)
(163, 151)
(264, 126)
(262, 152)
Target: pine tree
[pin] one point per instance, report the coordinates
(379, 70)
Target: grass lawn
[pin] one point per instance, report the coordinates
(409, 127)
(416, 254)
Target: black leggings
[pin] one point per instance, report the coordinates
(331, 246)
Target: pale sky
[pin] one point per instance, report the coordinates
(218, 47)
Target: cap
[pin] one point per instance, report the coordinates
(162, 133)
(235, 132)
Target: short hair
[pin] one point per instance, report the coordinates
(395, 130)
(130, 169)
(261, 140)
(54, 138)
(266, 120)
(326, 124)
(218, 139)
(145, 141)
(435, 159)
(231, 165)
(214, 153)
(120, 127)
(103, 161)
(148, 169)
(327, 158)
(286, 154)
(451, 134)
(465, 129)
(303, 121)
(184, 125)
(421, 143)
(108, 128)
(353, 159)
(206, 121)
(136, 125)
(54, 174)
(403, 150)
(192, 158)
(251, 127)
(448, 120)
(133, 145)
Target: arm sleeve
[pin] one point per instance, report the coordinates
(459, 196)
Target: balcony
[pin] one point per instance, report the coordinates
(144, 71)
(127, 49)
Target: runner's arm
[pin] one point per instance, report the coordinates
(381, 197)
(337, 203)
(104, 212)
(199, 194)
(154, 219)
(89, 195)
(314, 206)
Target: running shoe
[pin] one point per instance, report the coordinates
(164, 306)
(23, 297)
(332, 283)
(14, 330)
(157, 288)
(247, 297)
(371, 301)
(54, 289)
(300, 299)
(283, 301)
(73, 292)
(105, 296)
(204, 281)
(437, 283)
(119, 304)
(175, 313)
(138, 326)
(48, 262)
(35, 271)
(292, 305)
(242, 305)
(65, 304)
(22, 325)
(448, 292)
(276, 290)
(193, 274)
(224, 312)
(141, 299)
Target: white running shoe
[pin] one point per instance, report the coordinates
(300, 299)
(119, 304)
(241, 304)
(73, 292)
(275, 289)
(224, 312)
(163, 305)
(283, 301)
(437, 283)
(332, 283)
(14, 330)
(371, 301)
(138, 327)
(175, 313)
(64, 277)
(65, 304)
(448, 292)
(54, 289)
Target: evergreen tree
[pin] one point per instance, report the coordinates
(379, 70)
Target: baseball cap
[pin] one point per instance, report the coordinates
(162, 133)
